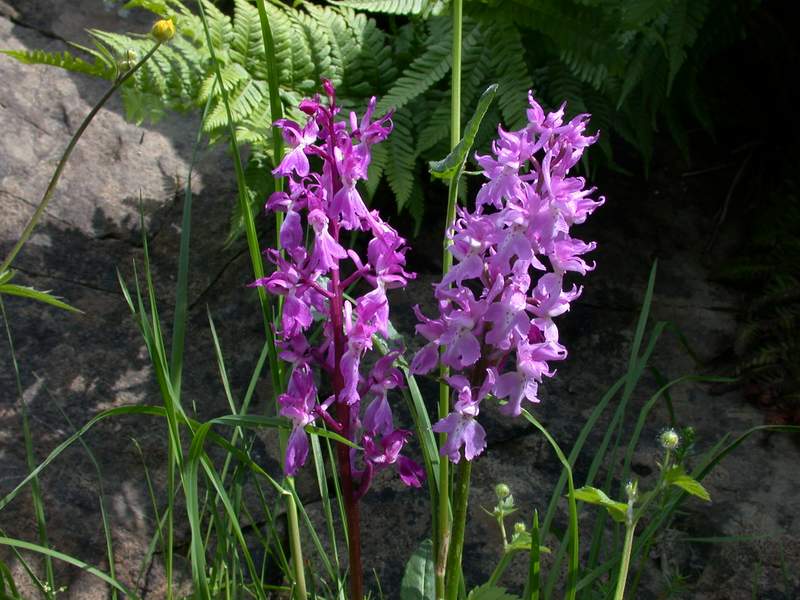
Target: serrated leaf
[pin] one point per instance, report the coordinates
(591, 495)
(63, 60)
(677, 476)
(418, 579)
(490, 592)
(395, 7)
(453, 163)
(40, 296)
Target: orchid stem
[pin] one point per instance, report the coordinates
(443, 516)
(460, 503)
(294, 542)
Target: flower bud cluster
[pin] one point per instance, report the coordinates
(498, 303)
(313, 276)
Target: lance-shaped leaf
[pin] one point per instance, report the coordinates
(677, 476)
(28, 292)
(616, 510)
(452, 165)
(418, 579)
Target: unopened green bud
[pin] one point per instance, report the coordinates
(502, 491)
(519, 527)
(632, 490)
(669, 439)
(163, 30)
(127, 62)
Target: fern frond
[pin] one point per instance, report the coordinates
(62, 60)
(508, 67)
(425, 70)
(319, 45)
(402, 156)
(396, 7)
(247, 46)
(685, 20)
(380, 158)
(220, 28)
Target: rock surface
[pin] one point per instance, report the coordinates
(73, 366)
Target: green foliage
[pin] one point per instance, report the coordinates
(677, 476)
(490, 592)
(617, 59)
(453, 164)
(418, 577)
(592, 495)
(63, 60)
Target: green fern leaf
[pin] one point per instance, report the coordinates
(402, 158)
(220, 28)
(396, 7)
(247, 46)
(424, 71)
(685, 21)
(62, 60)
(377, 166)
(510, 72)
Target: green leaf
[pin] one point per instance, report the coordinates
(23, 545)
(490, 592)
(28, 292)
(62, 60)
(677, 476)
(159, 7)
(418, 579)
(592, 495)
(395, 7)
(424, 71)
(453, 163)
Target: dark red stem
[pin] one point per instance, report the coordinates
(342, 408)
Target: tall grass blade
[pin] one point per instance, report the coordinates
(15, 543)
(182, 284)
(574, 549)
(36, 491)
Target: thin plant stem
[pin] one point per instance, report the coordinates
(626, 561)
(460, 503)
(501, 567)
(295, 545)
(51, 187)
(443, 534)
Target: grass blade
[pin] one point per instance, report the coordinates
(574, 549)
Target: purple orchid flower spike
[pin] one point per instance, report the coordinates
(511, 255)
(313, 280)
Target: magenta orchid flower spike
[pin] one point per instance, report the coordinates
(511, 255)
(313, 278)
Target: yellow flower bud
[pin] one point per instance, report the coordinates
(163, 30)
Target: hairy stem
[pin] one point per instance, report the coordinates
(51, 187)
